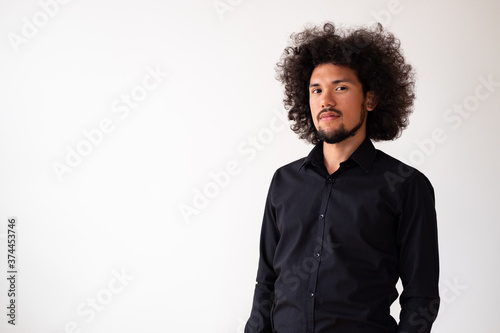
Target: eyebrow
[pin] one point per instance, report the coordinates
(333, 82)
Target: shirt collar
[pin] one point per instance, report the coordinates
(364, 155)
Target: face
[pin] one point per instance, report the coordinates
(338, 105)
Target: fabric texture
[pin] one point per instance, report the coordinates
(333, 247)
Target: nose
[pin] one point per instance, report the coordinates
(327, 99)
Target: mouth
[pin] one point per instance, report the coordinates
(328, 115)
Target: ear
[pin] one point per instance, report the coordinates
(371, 101)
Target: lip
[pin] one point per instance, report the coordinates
(326, 116)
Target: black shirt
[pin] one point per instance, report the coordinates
(333, 247)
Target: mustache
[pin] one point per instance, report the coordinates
(329, 109)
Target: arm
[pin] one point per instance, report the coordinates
(418, 256)
(260, 317)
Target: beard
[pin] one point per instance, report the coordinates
(341, 133)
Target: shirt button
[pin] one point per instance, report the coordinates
(321, 216)
(329, 180)
(311, 294)
(317, 254)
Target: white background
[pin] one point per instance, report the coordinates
(118, 210)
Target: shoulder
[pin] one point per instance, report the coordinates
(401, 177)
(289, 176)
(288, 170)
(292, 166)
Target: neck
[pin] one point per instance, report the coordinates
(336, 153)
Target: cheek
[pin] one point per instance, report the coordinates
(314, 112)
(356, 100)
(315, 106)
(311, 103)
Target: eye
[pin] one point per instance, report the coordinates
(340, 88)
(315, 91)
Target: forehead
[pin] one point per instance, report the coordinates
(331, 72)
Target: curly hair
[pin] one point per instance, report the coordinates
(375, 56)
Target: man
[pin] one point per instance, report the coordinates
(343, 224)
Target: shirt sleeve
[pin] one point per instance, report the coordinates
(260, 320)
(418, 256)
